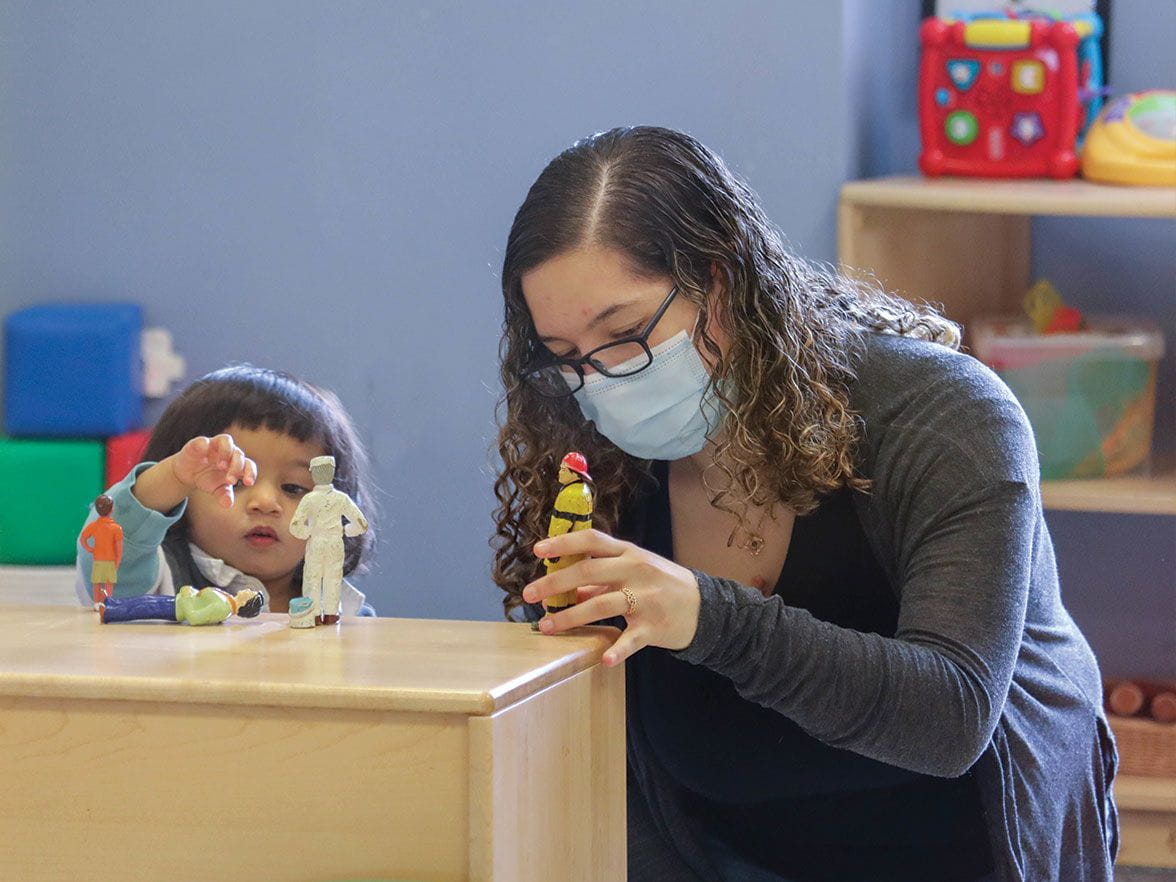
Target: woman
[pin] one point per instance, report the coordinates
(821, 524)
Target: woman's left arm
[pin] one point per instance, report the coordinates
(927, 699)
(964, 522)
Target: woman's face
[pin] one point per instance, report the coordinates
(583, 299)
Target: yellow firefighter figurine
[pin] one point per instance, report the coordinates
(572, 512)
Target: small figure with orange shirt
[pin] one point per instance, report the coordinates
(103, 538)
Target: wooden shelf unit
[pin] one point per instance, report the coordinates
(1075, 198)
(1152, 493)
(965, 243)
(1147, 820)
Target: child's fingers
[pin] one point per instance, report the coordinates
(221, 450)
(236, 470)
(196, 451)
(192, 457)
(249, 473)
(224, 495)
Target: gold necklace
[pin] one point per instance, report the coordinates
(753, 541)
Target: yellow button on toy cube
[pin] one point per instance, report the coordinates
(1028, 76)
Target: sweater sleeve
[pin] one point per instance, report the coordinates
(140, 571)
(954, 502)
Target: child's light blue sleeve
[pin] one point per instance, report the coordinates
(143, 531)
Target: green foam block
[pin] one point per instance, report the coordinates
(45, 490)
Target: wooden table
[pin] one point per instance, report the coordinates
(381, 748)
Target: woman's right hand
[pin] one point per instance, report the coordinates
(213, 465)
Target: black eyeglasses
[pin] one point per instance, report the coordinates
(555, 377)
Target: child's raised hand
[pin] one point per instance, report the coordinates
(214, 465)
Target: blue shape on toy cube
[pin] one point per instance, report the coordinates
(45, 496)
(73, 370)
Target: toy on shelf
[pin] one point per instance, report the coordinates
(1007, 97)
(103, 538)
(1050, 314)
(1134, 141)
(1131, 698)
(319, 520)
(571, 513)
(1090, 394)
(208, 606)
(1143, 714)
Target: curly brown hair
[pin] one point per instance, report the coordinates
(672, 208)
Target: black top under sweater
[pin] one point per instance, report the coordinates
(755, 779)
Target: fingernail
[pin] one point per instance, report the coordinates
(546, 626)
(541, 547)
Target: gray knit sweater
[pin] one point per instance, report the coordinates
(986, 670)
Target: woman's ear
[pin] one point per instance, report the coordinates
(716, 274)
(716, 339)
(719, 299)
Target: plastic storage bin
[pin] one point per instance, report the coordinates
(1090, 395)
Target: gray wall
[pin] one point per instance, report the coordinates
(327, 188)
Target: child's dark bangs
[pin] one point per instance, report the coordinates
(292, 412)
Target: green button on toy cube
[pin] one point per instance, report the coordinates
(45, 490)
(961, 127)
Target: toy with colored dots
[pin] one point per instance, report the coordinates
(1007, 97)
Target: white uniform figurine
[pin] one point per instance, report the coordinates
(319, 520)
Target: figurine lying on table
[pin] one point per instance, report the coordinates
(208, 606)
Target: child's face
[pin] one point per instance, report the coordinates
(253, 536)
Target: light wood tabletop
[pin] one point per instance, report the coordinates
(473, 668)
(376, 748)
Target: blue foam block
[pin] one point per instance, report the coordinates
(73, 370)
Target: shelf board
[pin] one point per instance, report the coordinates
(1153, 494)
(1145, 794)
(1000, 196)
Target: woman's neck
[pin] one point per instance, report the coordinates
(704, 459)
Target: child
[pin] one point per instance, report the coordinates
(224, 471)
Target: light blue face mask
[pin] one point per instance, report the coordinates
(659, 413)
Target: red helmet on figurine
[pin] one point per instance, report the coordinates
(577, 463)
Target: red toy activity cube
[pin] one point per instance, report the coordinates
(999, 98)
